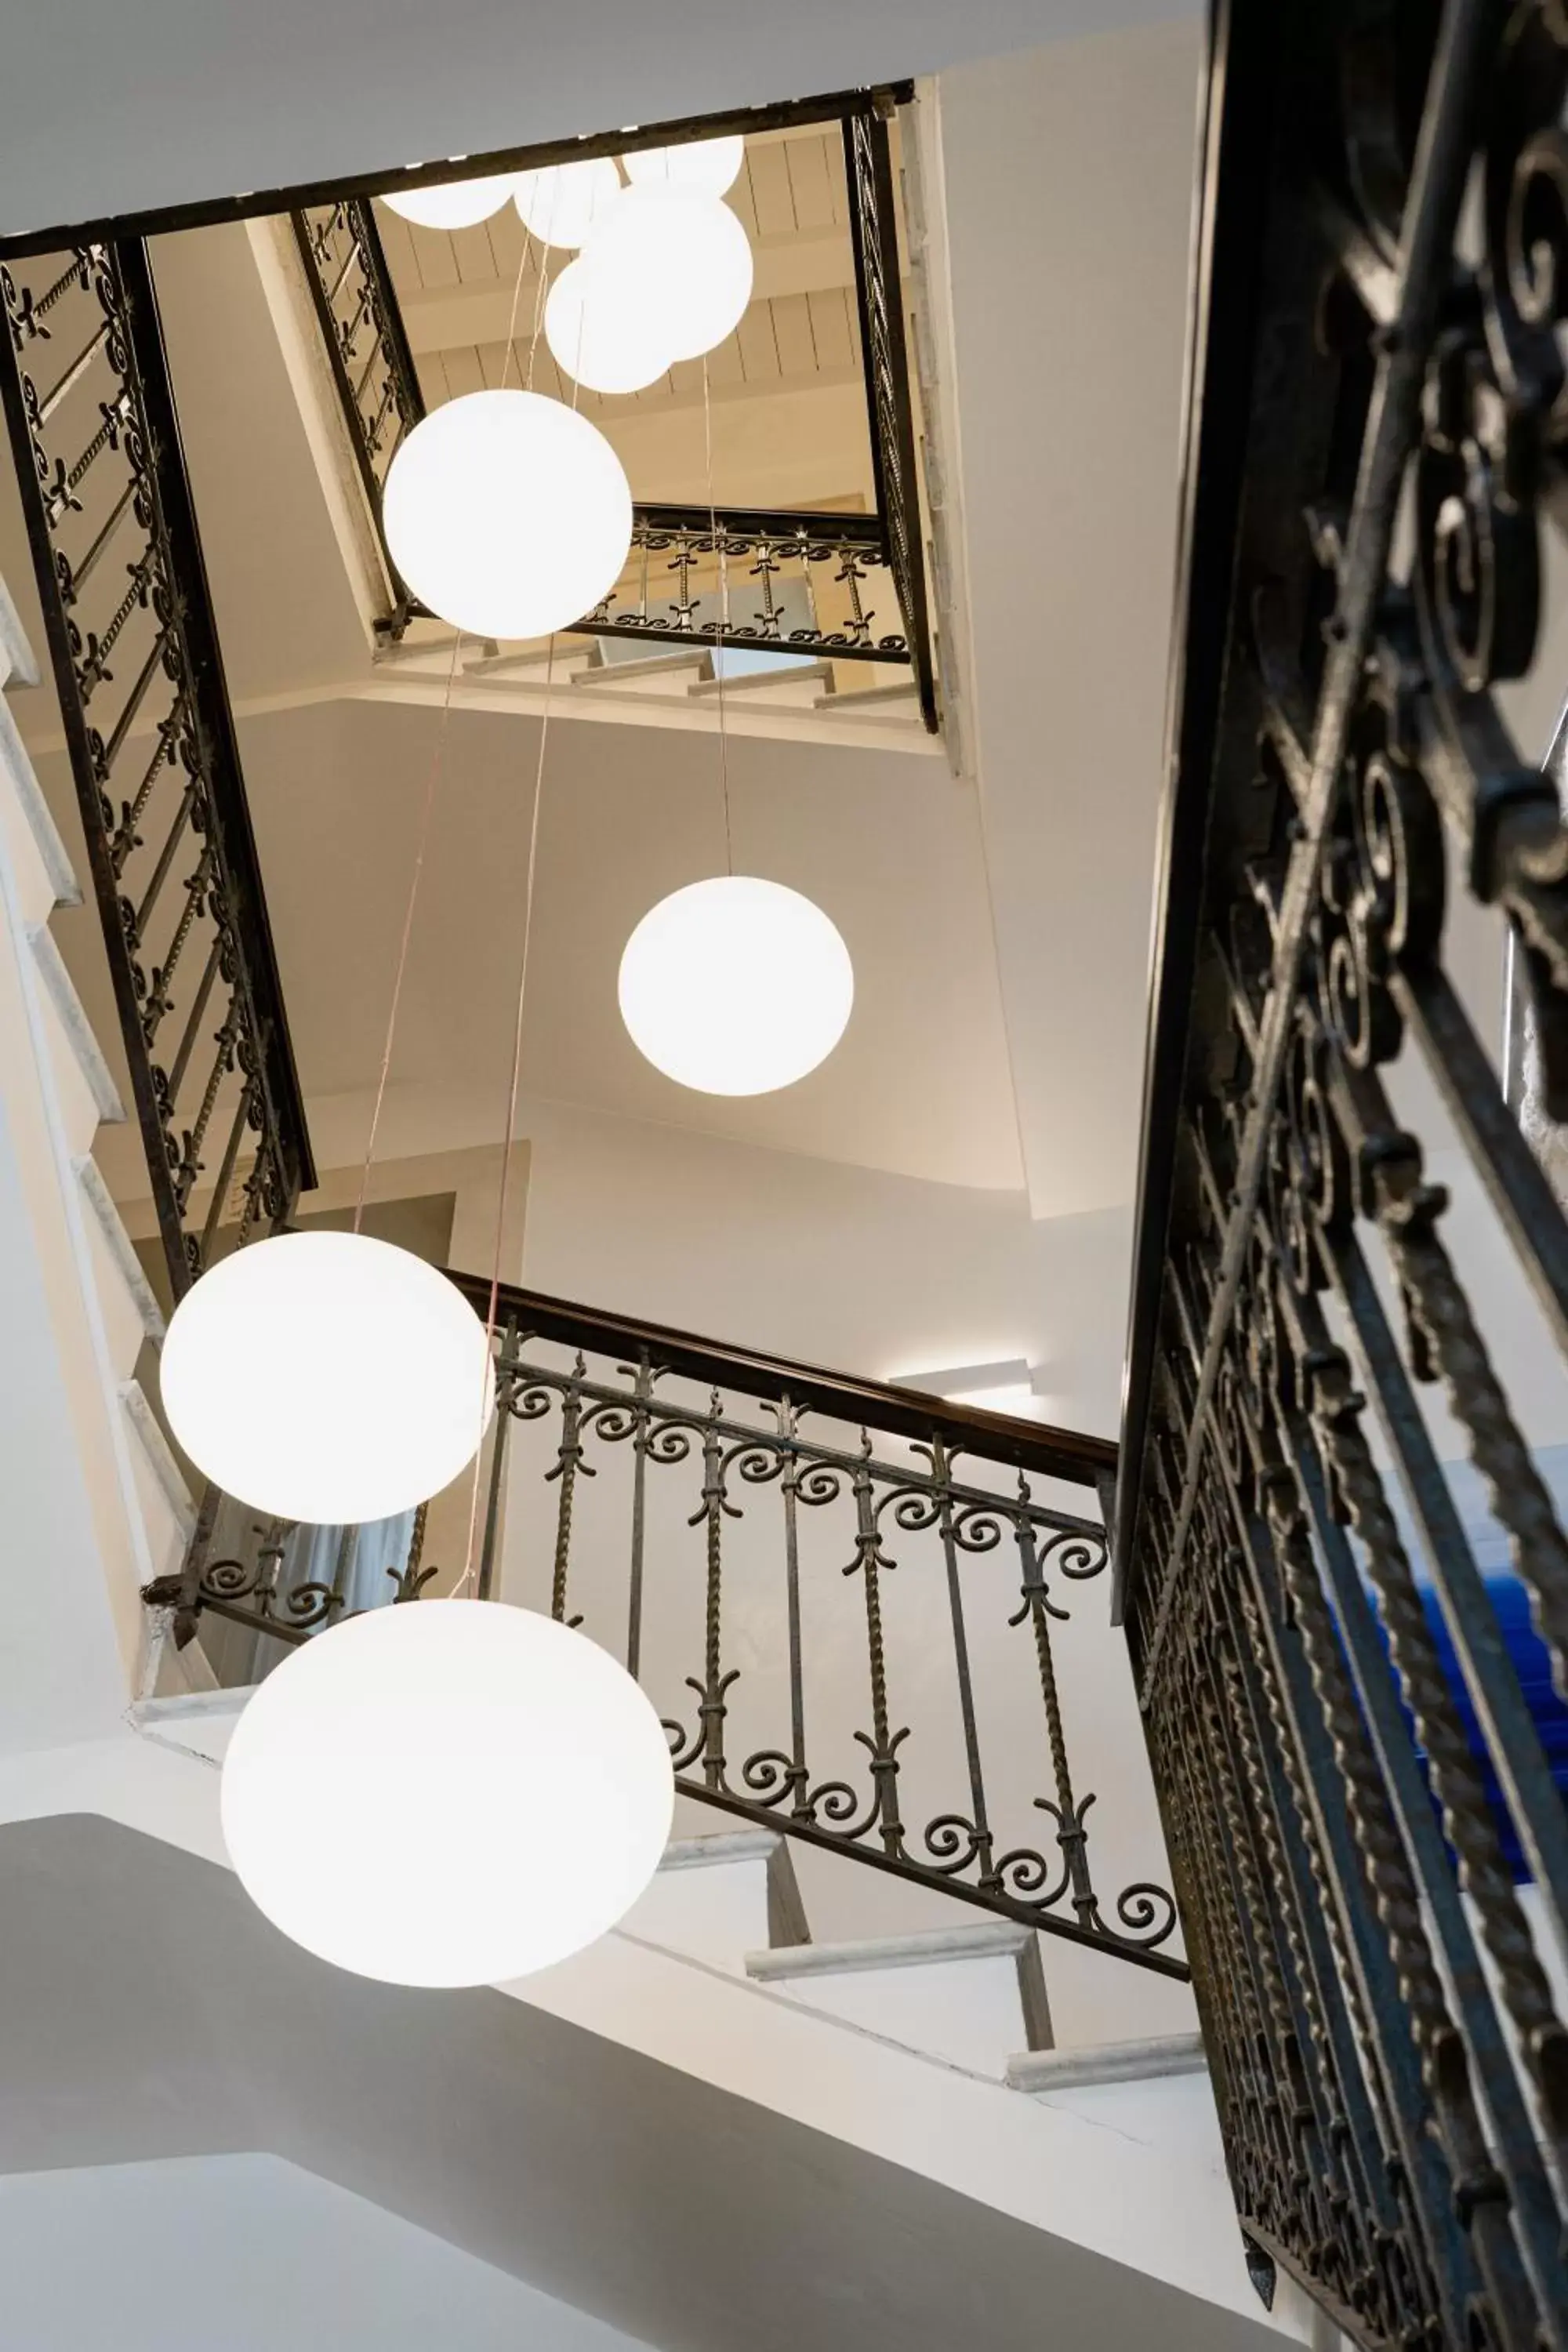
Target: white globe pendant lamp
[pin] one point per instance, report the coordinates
(710, 166)
(508, 514)
(736, 985)
(606, 333)
(682, 252)
(561, 204)
(450, 1793)
(458, 204)
(327, 1376)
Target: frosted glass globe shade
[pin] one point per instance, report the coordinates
(603, 330)
(736, 986)
(687, 253)
(561, 204)
(508, 514)
(327, 1376)
(446, 1792)
(711, 165)
(460, 204)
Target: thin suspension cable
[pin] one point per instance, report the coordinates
(540, 282)
(513, 1082)
(422, 844)
(425, 826)
(511, 321)
(723, 617)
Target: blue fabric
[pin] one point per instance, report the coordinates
(1489, 1545)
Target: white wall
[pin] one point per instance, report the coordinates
(250, 2252)
(863, 1272)
(1069, 177)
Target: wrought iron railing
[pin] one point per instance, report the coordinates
(864, 574)
(1350, 1722)
(135, 656)
(723, 580)
(373, 368)
(854, 1606)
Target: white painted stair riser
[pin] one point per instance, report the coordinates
(716, 1898)
(132, 1315)
(167, 1511)
(40, 865)
(971, 1994)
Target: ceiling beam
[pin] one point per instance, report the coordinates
(459, 317)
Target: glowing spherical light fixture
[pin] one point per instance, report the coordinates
(459, 203)
(508, 514)
(684, 252)
(327, 1376)
(711, 165)
(449, 1792)
(736, 986)
(604, 331)
(561, 204)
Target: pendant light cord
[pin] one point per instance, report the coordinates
(422, 844)
(723, 617)
(514, 1077)
(430, 789)
(513, 1087)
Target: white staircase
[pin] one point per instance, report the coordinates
(60, 1094)
(669, 686)
(930, 2052)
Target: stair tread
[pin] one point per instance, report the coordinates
(724, 1846)
(60, 989)
(160, 1455)
(800, 672)
(611, 674)
(19, 664)
(989, 1939)
(18, 769)
(1107, 2062)
(121, 1248)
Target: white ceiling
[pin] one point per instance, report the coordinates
(1069, 181)
(106, 107)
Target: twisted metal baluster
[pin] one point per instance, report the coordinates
(715, 1683)
(568, 1463)
(881, 1743)
(641, 1394)
(1072, 1837)
(979, 1822)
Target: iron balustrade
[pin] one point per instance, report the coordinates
(883, 613)
(1369, 1847)
(696, 577)
(129, 622)
(852, 1607)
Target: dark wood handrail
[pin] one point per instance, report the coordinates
(1026, 1445)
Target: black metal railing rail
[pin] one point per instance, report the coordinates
(853, 1605)
(876, 563)
(1348, 1740)
(128, 620)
